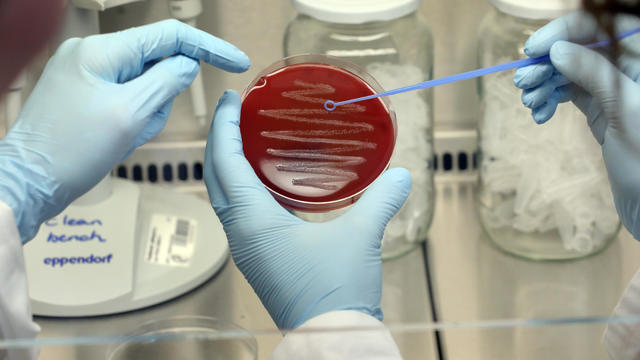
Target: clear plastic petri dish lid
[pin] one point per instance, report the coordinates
(186, 338)
(309, 158)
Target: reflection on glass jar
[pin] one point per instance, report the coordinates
(393, 44)
(544, 192)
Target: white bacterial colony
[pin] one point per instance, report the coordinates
(322, 169)
(542, 178)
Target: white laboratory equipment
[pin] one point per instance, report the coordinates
(187, 11)
(175, 157)
(123, 245)
(393, 43)
(543, 191)
(100, 4)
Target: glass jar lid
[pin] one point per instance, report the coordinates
(538, 9)
(355, 11)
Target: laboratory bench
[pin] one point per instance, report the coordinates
(454, 297)
(229, 297)
(497, 295)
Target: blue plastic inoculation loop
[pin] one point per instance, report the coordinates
(330, 105)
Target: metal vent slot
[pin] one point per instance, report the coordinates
(170, 172)
(137, 173)
(167, 173)
(456, 154)
(152, 173)
(175, 164)
(455, 162)
(180, 164)
(197, 171)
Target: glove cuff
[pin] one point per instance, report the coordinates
(22, 189)
(325, 304)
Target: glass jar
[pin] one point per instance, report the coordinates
(543, 191)
(393, 43)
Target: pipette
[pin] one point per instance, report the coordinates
(330, 105)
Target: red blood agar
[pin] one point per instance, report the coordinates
(309, 158)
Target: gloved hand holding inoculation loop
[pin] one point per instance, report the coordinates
(607, 93)
(531, 71)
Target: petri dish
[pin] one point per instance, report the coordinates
(309, 158)
(186, 338)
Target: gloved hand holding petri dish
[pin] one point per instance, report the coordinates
(309, 158)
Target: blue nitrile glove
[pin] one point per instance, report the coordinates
(588, 79)
(298, 269)
(97, 100)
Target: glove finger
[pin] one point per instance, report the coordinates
(583, 101)
(380, 202)
(544, 112)
(566, 93)
(148, 65)
(155, 124)
(171, 37)
(589, 70)
(579, 27)
(216, 195)
(159, 85)
(153, 127)
(535, 97)
(531, 76)
(562, 94)
(236, 177)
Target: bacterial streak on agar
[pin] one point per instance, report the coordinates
(302, 138)
(300, 115)
(331, 105)
(329, 166)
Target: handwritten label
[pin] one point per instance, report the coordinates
(69, 221)
(82, 238)
(70, 230)
(67, 229)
